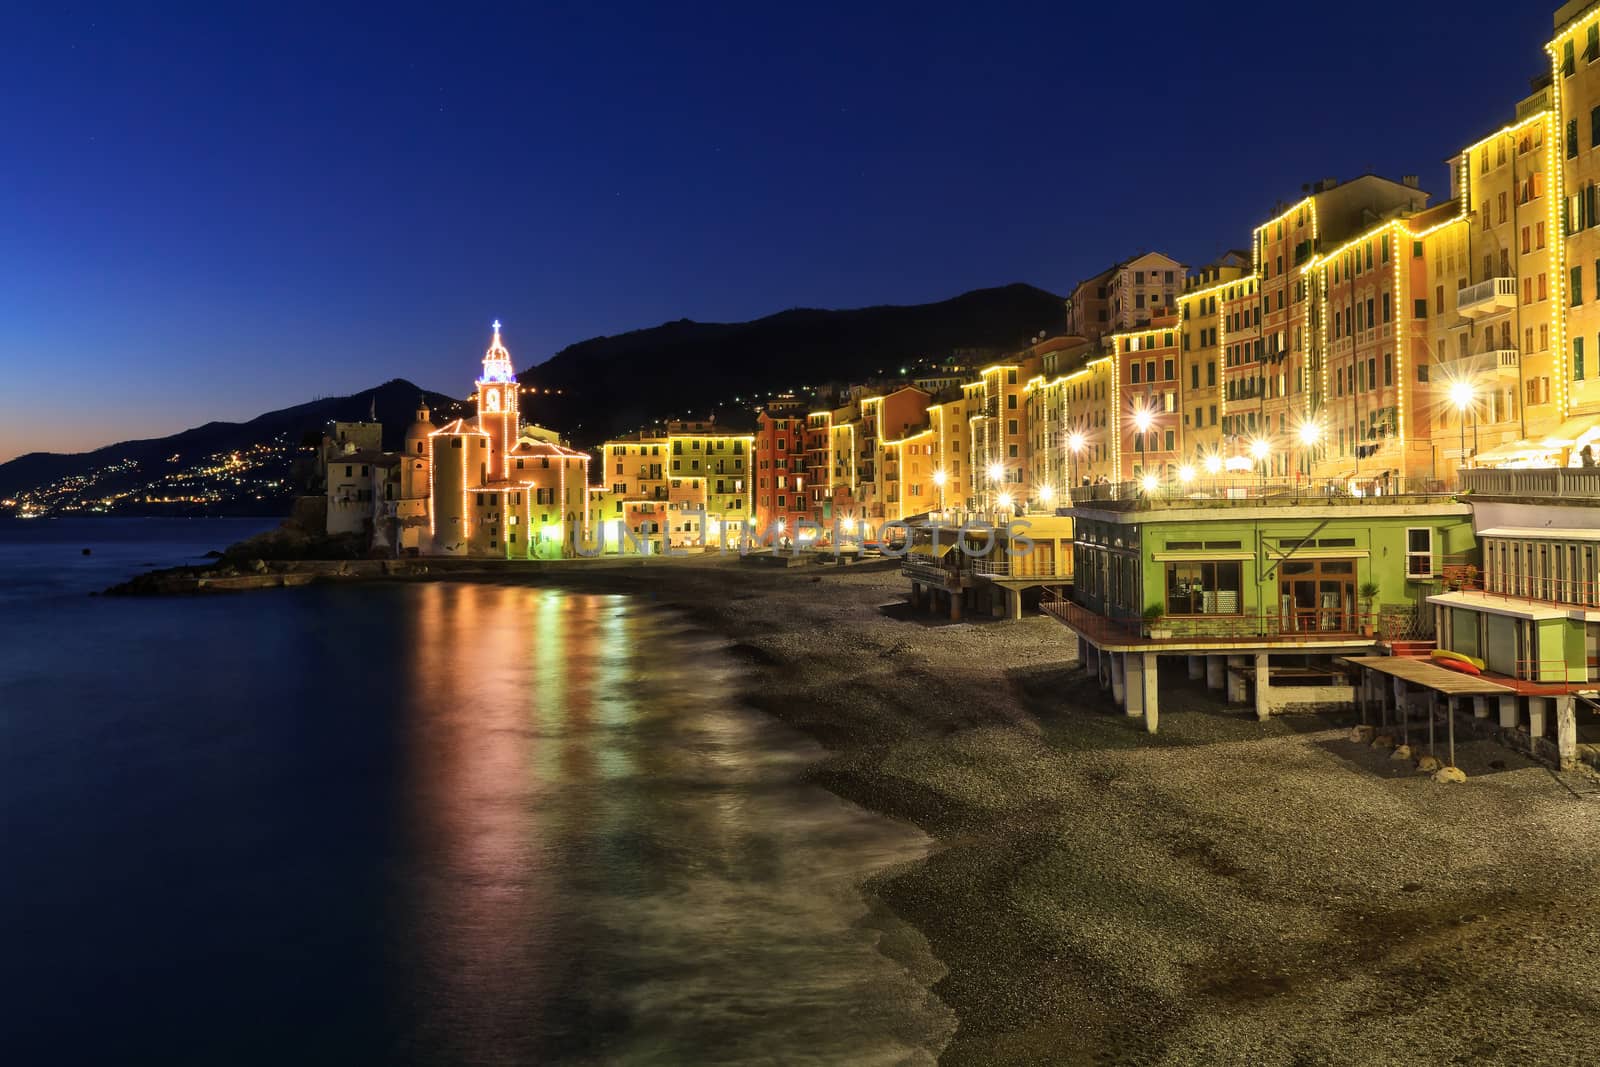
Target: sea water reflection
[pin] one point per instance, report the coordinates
(608, 858)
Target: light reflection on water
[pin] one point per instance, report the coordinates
(427, 823)
(611, 859)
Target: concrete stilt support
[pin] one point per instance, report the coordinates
(1238, 690)
(1013, 604)
(1508, 712)
(1238, 661)
(1133, 665)
(1263, 686)
(1538, 710)
(997, 604)
(1566, 732)
(1083, 651)
(916, 595)
(1216, 672)
(955, 605)
(1151, 676)
(1480, 707)
(1197, 668)
(1364, 696)
(1118, 690)
(933, 601)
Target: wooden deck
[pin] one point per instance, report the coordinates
(1425, 674)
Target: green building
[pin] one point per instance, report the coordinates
(1230, 582)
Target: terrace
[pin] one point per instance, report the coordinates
(1172, 633)
(1152, 495)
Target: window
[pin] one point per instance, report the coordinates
(1203, 588)
(1419, 552)
(1577, 286)
(1577, 359)
(1572, 132)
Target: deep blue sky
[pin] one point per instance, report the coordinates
(212, 212)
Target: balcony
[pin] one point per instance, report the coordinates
(1022, 568)
(1487, 361)
(1487, 298)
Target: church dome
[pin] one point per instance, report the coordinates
(420, 430)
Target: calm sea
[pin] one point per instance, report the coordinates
(433, 823)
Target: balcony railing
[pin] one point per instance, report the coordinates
(1022, 568)
(1533, 588)
(1487, 297)
(1505, 361)
(1222, 629)
(1567, 483)
(1243, 490)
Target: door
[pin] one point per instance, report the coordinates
(1318, 596)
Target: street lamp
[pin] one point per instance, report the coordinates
(1046, 495)
(939, 478)
(1214, 463)
(1461, 395)
(1076, 443)
(1259, 451)
(997, 472)
(1310, 434)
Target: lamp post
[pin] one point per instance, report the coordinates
(1310, 435)
(1076, 443)
(1259, 451)
(939, 478)
(996, 472)
(1461, 394)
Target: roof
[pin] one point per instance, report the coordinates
(529, 446)
(1545, 533)
(459, 427)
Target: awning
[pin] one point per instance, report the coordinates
(1513, 450)
(1574, 433)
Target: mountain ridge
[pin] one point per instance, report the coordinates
(588, 391)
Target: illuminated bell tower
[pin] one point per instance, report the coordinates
(498, 413)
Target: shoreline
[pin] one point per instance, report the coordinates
(1224, 892)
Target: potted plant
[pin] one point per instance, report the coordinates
(1152, 622)
(1369, 596)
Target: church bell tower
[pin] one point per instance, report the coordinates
(499, 414)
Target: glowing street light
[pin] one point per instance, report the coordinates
(1259, 451)
(1046, 494)
(1004, 500)
(1462, 395)
(1186, 474)
(1142, 419)
(996, 471)
(1076, 443)
(1310, 433)
(939, 478)
(1213, 464)
(1148, 483)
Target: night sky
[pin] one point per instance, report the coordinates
(213, 214)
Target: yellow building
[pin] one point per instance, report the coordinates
(1574, 53)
